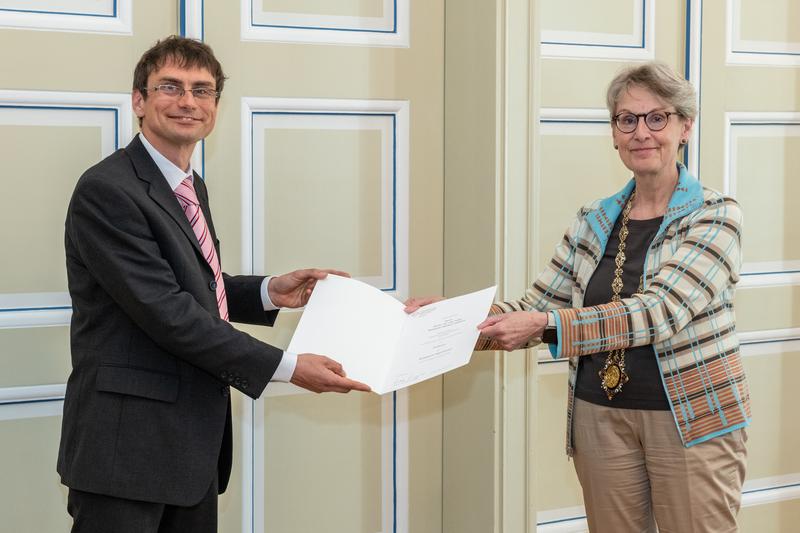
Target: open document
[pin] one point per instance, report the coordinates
(381, 345)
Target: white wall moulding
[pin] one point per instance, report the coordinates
(111, 112)
(388, 120)
(771, 490)
(566, 520)
(552, 120)
(762, 53)
(693, 73)
(191, 18)
(754, 492)
(770, 342)
(90, 16)
(394, 465)
(636, 45)
(27, 310)
(388, 28)
(31, 402)
(776, 125)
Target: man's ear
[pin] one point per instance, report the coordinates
(137, 102)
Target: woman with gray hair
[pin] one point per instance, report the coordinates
(639, 298)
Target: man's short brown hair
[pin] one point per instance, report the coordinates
(185, 53)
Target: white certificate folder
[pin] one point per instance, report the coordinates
(378, 343)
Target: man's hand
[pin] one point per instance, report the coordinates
(294, 289)
(412, 304)
(514, 330)
(318, 373)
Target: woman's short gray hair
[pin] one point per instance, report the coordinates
(660, 80)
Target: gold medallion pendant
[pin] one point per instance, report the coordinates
(612, 378)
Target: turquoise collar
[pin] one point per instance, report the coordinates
(688, 197)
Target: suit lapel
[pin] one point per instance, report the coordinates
(159, 190)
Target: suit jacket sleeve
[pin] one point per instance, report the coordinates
(109, 227)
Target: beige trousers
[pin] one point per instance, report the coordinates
(635, 473)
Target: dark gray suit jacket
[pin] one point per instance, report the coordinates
(147, 408)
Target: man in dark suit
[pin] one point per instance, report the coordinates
(146, 434)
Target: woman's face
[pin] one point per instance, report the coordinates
(647, 152)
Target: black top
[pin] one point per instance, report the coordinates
(644, 389)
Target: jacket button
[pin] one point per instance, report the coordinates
(224, 375)
(244, 384)
(212, 285)
(224, 391)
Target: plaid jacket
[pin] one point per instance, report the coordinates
(685, 312)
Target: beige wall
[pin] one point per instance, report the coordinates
(347, 173)
(744, 144)
(496, 98)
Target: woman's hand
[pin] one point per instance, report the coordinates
(412, 304)
(514, 330)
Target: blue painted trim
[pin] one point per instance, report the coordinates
(567, 121)
(771, 341)
(182, 17)
(74, 108)
(768, 272)
(765, 53)
(641, 46)
(253, 466)
(43, 12)
(321, 28)
(700, 84)
(252, 194)
(26, 309)
(116, 147)
(687, 62)
(765, 489)
(29, 402)
(394, 462)
(394, 202)
(765, 123)
(394, 169)
(203, 157)
(644, 22)
(635, 47)
(561, 520)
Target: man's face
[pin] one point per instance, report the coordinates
(174, 123)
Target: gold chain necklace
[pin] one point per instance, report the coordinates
(613, 375)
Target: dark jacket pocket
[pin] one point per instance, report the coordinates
(138, 382)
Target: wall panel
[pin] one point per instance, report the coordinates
(744, 144)
(33, 499)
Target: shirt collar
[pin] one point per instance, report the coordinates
(173, 174)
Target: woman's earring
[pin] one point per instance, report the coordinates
(616, 147)
(684, 141)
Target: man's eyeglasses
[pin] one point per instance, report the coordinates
(654, 120)
(176, 91)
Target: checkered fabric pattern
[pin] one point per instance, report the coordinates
(685, 311)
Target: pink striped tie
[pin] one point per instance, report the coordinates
(191, 206)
